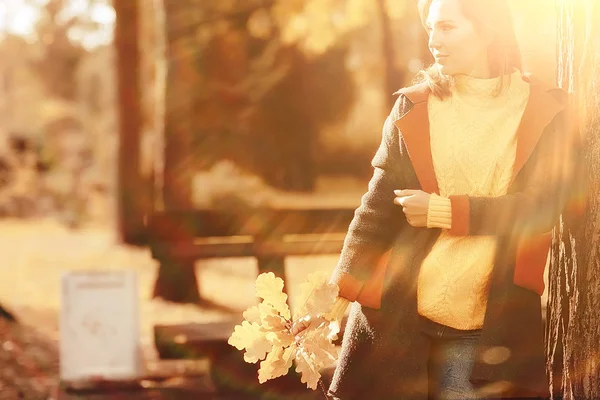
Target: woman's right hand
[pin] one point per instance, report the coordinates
(306, 322)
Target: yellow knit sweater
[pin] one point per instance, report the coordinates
(473, 145)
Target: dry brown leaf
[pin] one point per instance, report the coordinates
(281, 338)
(316, 343)
(277, 363)
(270, 289)
(270, 319)
(317, 296)
(252, 314)
(305, 366)
(252, 338)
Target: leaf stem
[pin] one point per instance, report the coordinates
(322, 386)
(306, 300)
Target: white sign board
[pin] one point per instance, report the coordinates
(99, 326)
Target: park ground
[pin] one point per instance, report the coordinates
(35, 254)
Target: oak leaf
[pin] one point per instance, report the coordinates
(252, 314)
(277, 363)
(281, 338)
(316, 342)
(252, 338)
(270, 318)
(270, 289)
(317, 296)
(305, 366)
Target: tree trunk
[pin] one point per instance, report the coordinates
(177, 282)
(176, 279)
(182, 84)
(132, 192)
(394, 76)
(573, 332)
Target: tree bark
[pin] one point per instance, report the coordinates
(132, 192)
(573, 312)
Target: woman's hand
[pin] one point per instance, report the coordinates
(415, 204)
(307, 322)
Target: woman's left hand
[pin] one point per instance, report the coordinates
(415, 204)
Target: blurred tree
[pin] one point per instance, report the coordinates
(133, 191)
(59, 54)
(61, 29)
(20, 84)
(394, 76)
(574, 290)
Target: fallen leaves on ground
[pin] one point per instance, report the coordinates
(28, 363)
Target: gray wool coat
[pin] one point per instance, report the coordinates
(384, 355)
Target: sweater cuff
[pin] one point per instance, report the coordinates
(338, 310)
(439, 213)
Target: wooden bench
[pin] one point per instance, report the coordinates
(178, 239)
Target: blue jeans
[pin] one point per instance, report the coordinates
(450, 361)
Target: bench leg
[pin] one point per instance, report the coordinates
(177, 282)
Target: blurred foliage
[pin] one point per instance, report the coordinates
(314, 25)
(286, 89)
(59, 30)
(53, 171)
(266, 76)
(230, 189)
(60, 55)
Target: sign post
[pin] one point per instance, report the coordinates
(99, 327)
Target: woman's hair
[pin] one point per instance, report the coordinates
(503, 52)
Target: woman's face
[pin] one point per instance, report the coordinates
(453, 41)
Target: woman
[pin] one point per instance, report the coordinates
(444, 259)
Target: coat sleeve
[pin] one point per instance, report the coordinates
(534, 209)
(377, 220)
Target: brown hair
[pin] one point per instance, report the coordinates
(503, 52)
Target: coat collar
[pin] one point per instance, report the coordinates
(540, 110)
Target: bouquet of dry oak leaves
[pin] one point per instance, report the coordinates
(266, 334)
